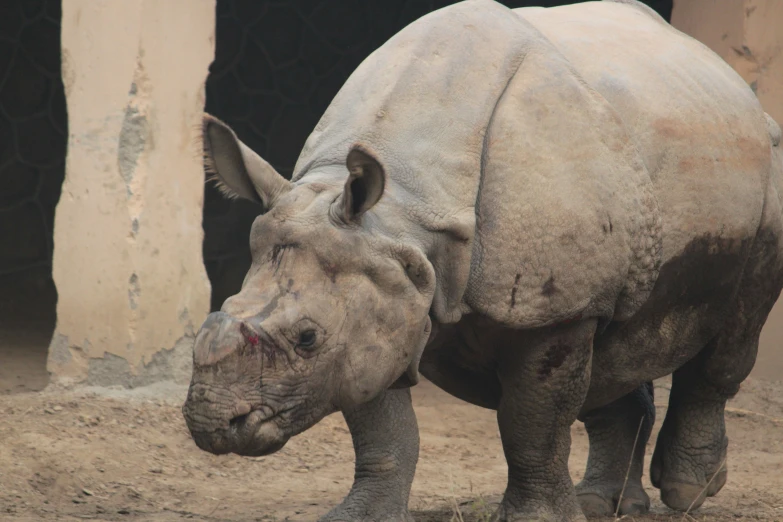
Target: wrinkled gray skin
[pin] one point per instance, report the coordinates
(539, 210)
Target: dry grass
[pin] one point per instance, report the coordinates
(476, 510)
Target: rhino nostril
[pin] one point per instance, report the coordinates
(238, 422)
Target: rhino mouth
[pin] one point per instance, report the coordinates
(253, 434)
(256, 434)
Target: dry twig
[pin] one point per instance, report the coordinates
(723, 463)
(630, 463)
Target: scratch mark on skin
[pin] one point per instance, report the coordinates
(271, 354)
(514, 290)
(265, 348)
(271, 348)
(262, 344)
(329, 269)
(608, 227)
(269, 308)
(278, 251)
(549, 288)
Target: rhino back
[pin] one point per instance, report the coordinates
(422, 103)
(568, 226)
(542, 183)
(698, 126)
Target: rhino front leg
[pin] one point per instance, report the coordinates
(386, 441)
(544, 378)
(612, 431)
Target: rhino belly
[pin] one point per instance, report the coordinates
(692, 298)
(460, 361)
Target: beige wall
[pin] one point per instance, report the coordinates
(127, 242)
(748, 34)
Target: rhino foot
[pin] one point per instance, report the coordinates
(689, 461)
(602, 501)
(618, 435)
(685, 497)
(686, 479)
(386, 440)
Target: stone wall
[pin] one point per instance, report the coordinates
(127, 237)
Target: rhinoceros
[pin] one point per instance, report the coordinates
(539, 210)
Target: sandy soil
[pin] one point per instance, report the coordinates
(119, 455)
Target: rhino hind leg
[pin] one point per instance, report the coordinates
(612, 430)
(386, 442)
(689, 461)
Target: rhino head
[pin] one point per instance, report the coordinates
(330, 314)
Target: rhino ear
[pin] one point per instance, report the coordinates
(238, 171)
(364, 186)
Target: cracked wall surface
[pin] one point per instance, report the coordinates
(127, 231)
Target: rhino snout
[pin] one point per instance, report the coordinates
(219, 424)
(224, 409)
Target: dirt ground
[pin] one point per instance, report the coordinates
(120, 455)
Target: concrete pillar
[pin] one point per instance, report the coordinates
(128, 265)
(748, 34)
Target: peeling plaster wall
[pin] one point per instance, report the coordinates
(127, 236)
(748, 34)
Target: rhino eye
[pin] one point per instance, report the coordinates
(306, 339)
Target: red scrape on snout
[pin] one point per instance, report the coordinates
(249, 335)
